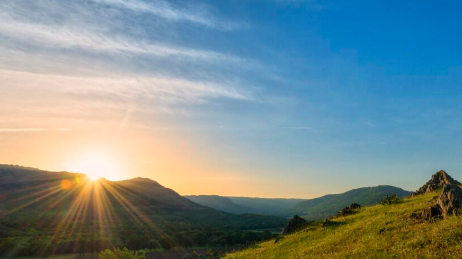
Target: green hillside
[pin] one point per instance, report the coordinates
(312, 209)
(329, 205)
(380, 231)
(45, 213)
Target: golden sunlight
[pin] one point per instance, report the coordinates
(95, 166)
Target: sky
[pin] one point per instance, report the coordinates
(261, 98)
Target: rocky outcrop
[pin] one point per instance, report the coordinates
(450, 200)
(430, 213)
(448, 203)
(296, 223)
(438, 180)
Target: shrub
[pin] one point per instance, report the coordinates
(118, 253)
(394, 199)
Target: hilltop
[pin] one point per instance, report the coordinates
(380, 231)
(438, 180)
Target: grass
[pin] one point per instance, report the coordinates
(63, 256)
(380, 231)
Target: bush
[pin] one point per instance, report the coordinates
(118, 253)
(394, 199)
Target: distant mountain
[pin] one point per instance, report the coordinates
(329, 205)
(270, 206)
(45, 213)
(153, 190)
(219, 203)
(313, 209)
(239, 205)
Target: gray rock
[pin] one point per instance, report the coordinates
(438, 180)
(296, 223)
(448, 203)
(430, 213)
(450, 200)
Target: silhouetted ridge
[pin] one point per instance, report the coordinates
(66, 214)
(438, 181)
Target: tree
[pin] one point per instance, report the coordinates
(118, 253)
(187, 242)
(200, 239)
(166, 242)
(266, 235)
(81, 246)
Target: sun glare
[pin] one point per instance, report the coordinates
(95, 166)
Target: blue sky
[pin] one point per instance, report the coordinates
(300, 98)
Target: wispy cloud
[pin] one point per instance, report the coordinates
(81, 60)
(159, 89)
(77, 101)
(167, 11)
(56, 36)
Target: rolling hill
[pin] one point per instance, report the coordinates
(45, 212)
(403, 229)
(329, 205)
(312, 209)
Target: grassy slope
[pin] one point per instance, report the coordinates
(375, 232)
(329, 205)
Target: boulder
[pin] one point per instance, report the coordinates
(438, 180)
(450, 200)
(296, 223)
(430, 213)
(448, 203)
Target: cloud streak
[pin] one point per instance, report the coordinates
(167, 11)
(75, 101)
(83, 60)
(159, 89)
(70, 38)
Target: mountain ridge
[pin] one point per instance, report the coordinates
(313, 209)
(329, 205)
(40, 208)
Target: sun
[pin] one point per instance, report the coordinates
(96, 166)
